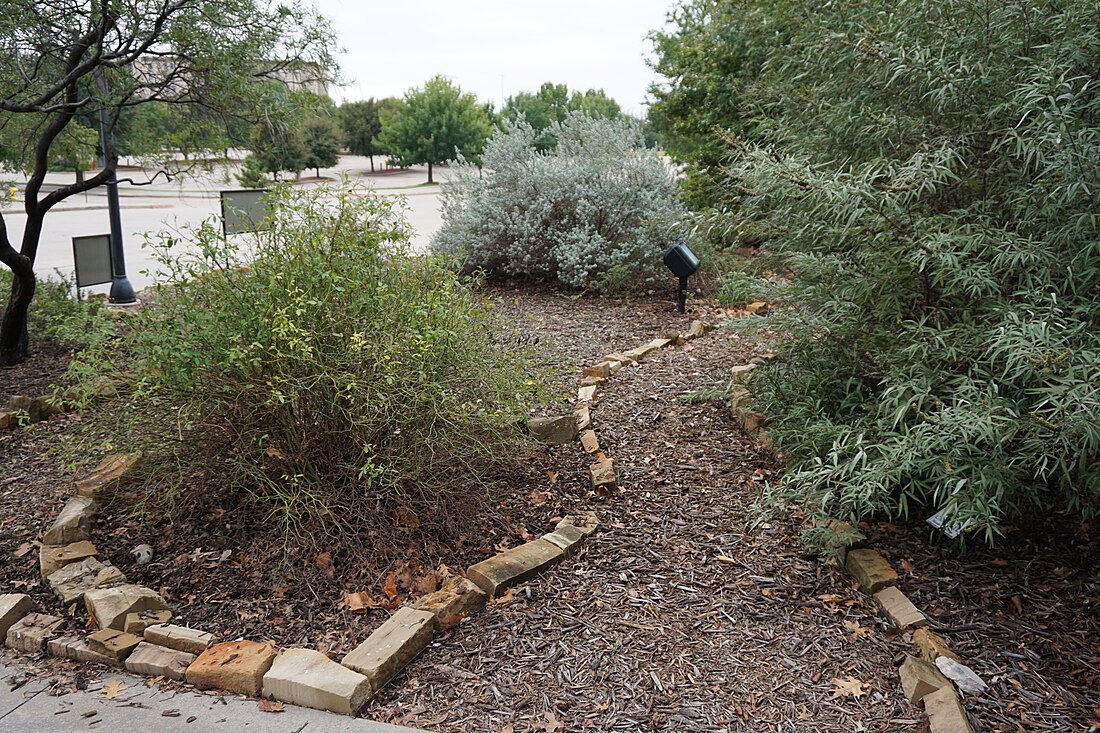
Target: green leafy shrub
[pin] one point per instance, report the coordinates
(57, 315)
(321, 368)
(927, 171)
(595, 211)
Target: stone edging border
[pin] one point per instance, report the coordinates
(134, 622)
(935, 675)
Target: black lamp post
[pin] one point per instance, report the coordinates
(682, 261)
(122, 292)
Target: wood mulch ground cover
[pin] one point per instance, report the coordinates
(680, 614)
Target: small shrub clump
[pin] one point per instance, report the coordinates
(55, 314)
(321, 368)
(595, 211)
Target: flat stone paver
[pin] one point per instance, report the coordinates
(139, 708)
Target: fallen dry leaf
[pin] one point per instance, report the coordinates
(907, 566)
(390, 586)
(507, 597)
(552, 724)
(23, 549)
(271, 706)
(537, 497)
(553, 476)
(323, 561)
(855, 629)
(849, 687)
(358, 602)
(112, 689)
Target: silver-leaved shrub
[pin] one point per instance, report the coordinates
(594, 212)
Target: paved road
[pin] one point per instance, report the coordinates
(140, 709)
(187, 203)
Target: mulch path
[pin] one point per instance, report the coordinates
(679, 615)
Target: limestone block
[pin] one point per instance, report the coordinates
(945, 712)
(604, 480)
(51, 559)
(30, 633)
(613, 367)
(698, 329)
(567, 537)
(235, 666)
(932, 646)
(622, 358)
(137, 623)
(108, 606)
(179, 638)
(76, 648)
(901, 611)
(966, 679)
(113, 643)
(591, 381)
(553, 430)
(506, 569)
(71, 582)
(583, 416)
(73, 523)
(13, 606)
(308, 678)
(458, 598)
(757, 307)
(597, 371)
(106, 476)
(589, 442)
(21, 403)
(871, 570)
(918, 678)
(156, 661)
(392, 646)
(7, 420)
(740, 374)
(585, 521)
(586, 394)
(48, 406)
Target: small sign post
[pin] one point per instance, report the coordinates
(244, 210)
(92, 260)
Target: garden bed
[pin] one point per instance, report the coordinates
(678, 615)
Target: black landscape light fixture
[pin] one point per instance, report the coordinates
(122, 292)
(682, 261)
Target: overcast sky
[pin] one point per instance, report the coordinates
(483, 45)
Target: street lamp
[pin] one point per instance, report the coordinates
(122, 292)
(682, 261)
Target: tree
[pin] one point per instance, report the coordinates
(552, 103)
(712, 53)
(278, 146)
(361, 123)
(434, 125)
(322, 139)
(66, 60)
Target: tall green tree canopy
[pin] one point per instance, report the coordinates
(361, 123)
(66, 60)
(710, 54)
(927, 173)
(435, 124)
(552, 103)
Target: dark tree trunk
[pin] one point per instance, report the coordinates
(14, 340)
(430, 173)
(371, 163)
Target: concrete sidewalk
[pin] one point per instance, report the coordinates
(139, 709)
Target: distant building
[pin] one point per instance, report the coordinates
(301, 76)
